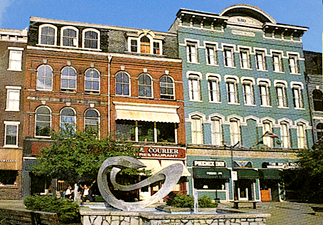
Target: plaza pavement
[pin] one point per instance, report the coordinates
(282, 213)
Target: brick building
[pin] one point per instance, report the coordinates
(12, 77)
(121, 81)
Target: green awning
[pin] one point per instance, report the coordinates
(273, 174)
(248, 174)
(211, 173)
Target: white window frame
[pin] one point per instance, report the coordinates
(235, 135)
(194, 87)
(144, 85)
(44, 89)
(192, 52)
(138, 44)
(168, 85)
(75, 40)
(277, 62)
(98, 119)
(267, 140)
(216, 131)
(281, 97)
(91, 79)
(83, 38)
(261, 60)
(285, 135)
(129, 83)
(68, 77)
(228, 59)
(11, 123)
(301, 135)
(214, 89)
(15, 59)
(211, 54)
(293, 63)
(74, 118)
(55, 34)
(245, 58)
(249, 98)
(297, 90)
(50, 121)
(196, 129)
(264, 92)
(14, 101)
(232, 91)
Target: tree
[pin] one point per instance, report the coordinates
(75, 156)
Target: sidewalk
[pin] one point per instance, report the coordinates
(12, 204)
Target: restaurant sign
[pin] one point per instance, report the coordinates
(162, 152)
(208, 163)
(280, 165)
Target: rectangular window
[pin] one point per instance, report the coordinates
(264, 94)
(13, 98)
(284, 133)
(8, 177)
(234, 132)
(216, 132)
(301, 136)
(228, 57)
(156, 48)
(133, 46)
(244, 59)
(281, 96)
(297, 97)
(197, 131)
(248, 93)
(268, 141)
(192, 52)
(15, 60)
(211, 58)
(194, 88)
(214, 91)
(232, 91)
(260, 60)
(277, 62)
(293, 64)
(11, 134)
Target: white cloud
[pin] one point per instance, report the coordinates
(3, 8)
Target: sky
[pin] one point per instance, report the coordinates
(158, 15)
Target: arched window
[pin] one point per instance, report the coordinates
(145, 86)
(68, 119)
(122, 84)
(166, 87)
(44, 78)
(43, 121)
(284, 135)
(68, 79)
(92, 81)
(194, 87)
(47, 35)
(317, 100)
(216, 131)
(92, 121)
(69, 37)
(91, 39)
(235, 131)
(145, 45)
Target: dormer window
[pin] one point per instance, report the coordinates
(91, 39)
(47, 34)
(69, 37)
(145, 44)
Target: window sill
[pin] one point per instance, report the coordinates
(250, 105)
(212, 64)
(68, 91)
(233, 67)
(262, 70)
(295, 74)
(195, 100)
(12, 110)
(246, 68)
(10, 146)
(266, 106)
(91, 93)
(117, 95)
(300, 108)
(46, 137)
(215, 102)
(283, 107)
(14, 70)
(233, 103)
(44, 90)
(197, 63)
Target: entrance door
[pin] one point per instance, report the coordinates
(243, 193)
(244, 189)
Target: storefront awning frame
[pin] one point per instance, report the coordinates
(211, 173)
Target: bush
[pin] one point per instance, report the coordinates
(206, 202)
(66, 210)
(187, 201)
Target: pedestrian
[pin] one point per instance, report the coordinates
(69, 192)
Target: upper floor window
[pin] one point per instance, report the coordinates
(235, 131)
(284, 135)
(191, 52)
(277, 62)
(92, 121)
(214, 89)
(43, 121)
(232, 91)
(156, 48)
(216, 131)
(264, 94)
(244, 58)
(11, 134)
(293, 64)
(68, 119)
(248, 92)
(13, 98)
(228, 57)
(167, 87)
(297, 96)
(145, 86)
(15, 59)
(91, 39)
(68, 79)
(48, 34)
(301, 135)
(44, 78)
(318, 100)
(92, 81)
(211, 54)
(267, 139)
(261, 60)
(69, 37)
(197, 130)
(122, 84)
(281, 95)
(194, 87)
(145, 45)
(319, 132)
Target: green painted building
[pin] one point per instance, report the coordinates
(246, 105)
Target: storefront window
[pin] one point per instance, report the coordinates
(146, 131)
(166, 132)
(8, 177)
(214, 184)
(125, 130)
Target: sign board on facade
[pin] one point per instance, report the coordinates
(162, 152)
(10, 159)
(280, 165)
(208, 163)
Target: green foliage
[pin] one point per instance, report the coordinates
(187, 201)
(78, 155)
(206, 202)
(67, 210)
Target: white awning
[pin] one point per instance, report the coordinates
(151, 164)
(165, 163)
(146, 112)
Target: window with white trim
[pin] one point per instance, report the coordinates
(69, 37)
(293, 64)
(317, 100)
(228, 57)
(197, 130)
(297, 96)
(235, 135)
(281, 95)
(92, 81)
(92, 121)
(47, 35)
(301, 135)
(145, 44)
(232, 91)
(261, 60)
(214, 89)
(244, 58)
(216, 131)
(91, 39)
(13, 98)
(122, 83)
(267, 140)
(167, 87)
(211, 54)
(15, 60)
(277, 62)
(284, 135)
(44, 78)
(264, 93)
(68, 79)
(145, 86)
(191, 52)
(11, 134)
(43, 119)
(194, 87)
(248, 92)
(68, 120)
